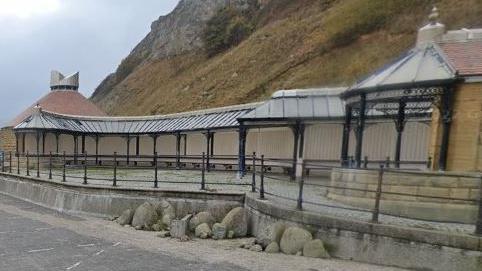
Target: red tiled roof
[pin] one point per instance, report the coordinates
(62, 102)
(464, 56)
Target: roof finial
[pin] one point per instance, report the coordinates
(434, 15)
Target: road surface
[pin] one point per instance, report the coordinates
(36, 238)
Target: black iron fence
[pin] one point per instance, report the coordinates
(261, 176)
(304, 183)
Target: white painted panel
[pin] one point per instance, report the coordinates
(226, 143)
(196, 144)
(66, 143)
(166, 145)
(271, 142)
(323, 141)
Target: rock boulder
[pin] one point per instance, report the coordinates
(294, 239)
(201, 218)
(315, 249)
(144, 216)
(203, 231)
(271, 234)
(236, 220)
(126, 217)
(219, 231)
(272, 248)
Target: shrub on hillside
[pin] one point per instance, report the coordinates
(227, 28)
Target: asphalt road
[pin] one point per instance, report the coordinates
(36, 238)
(29, 244)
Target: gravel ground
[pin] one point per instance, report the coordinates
(279, 188)
(35, 238)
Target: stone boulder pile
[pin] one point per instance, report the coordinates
(160, 216)
(279, 238)
(150, 216)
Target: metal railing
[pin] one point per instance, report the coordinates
(259, 171)
(83, 167)
(301, 198)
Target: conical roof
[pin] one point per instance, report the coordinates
(62, 102)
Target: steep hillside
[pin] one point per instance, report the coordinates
(302, 43)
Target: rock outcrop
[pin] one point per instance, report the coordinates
(171, 35)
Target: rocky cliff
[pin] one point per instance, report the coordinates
(302, 43)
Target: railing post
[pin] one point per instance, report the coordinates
(38, 164)
(85, 167)
(10, 162)
(478, 225)
(28, 164)
(114, 179)
(429, 163)
(365, 162)
(253, 181)
(261, 188)
(299, 205)
(18, 163)
(64, 160)
(50, 165)
(376, 210)
(203, 172)
(3, 162)
(156, 185)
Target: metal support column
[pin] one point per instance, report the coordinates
(57, 135)
(242, 150)
(43, 142)
(38, 153)
(208, 150)
(346, 136)
(83, 144)
(128, 149)
(446, 114)
(178, 150)
(399, 126)
(96, 149)
(360, 130)
(154, 144)
(76, 148)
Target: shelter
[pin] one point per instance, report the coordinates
(443, 74)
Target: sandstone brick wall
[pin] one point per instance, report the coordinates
(7, 140)
(416, 186)
(431, 196)
(465, 148)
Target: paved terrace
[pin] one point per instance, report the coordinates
(278, 189)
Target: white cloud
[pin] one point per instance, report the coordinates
(24, 9)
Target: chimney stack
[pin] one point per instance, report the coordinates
(60, 82)
(431, 32)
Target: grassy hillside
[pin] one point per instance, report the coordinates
(296, 44)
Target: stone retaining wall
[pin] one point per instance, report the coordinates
(417, 185)
(416, 249)
(106, 202)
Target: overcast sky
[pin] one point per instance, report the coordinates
(90, 36)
